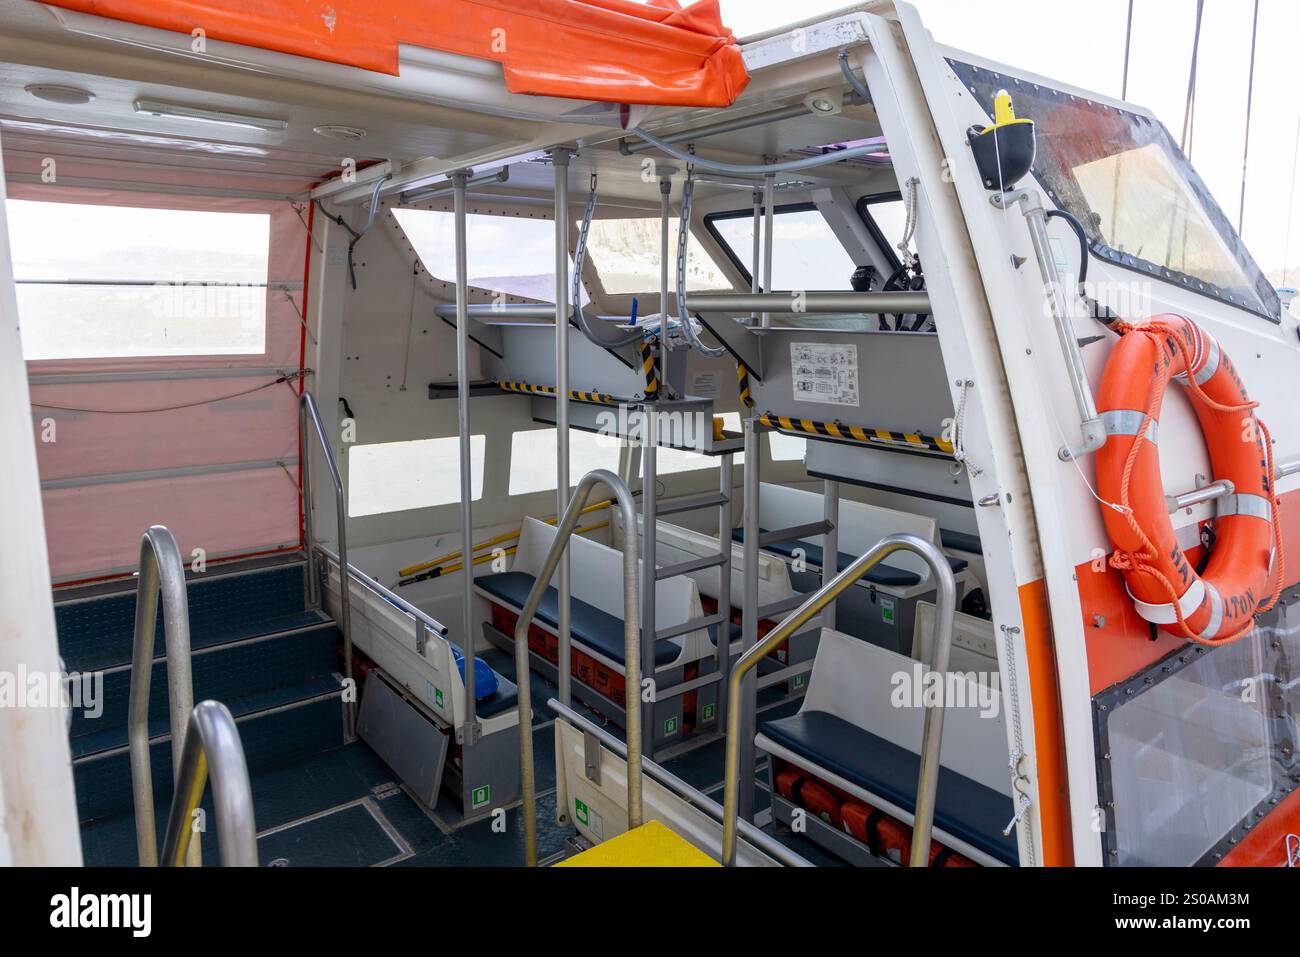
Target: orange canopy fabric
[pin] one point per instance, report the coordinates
(615, 51)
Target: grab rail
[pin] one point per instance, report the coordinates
(307, 410)
(932, 735)
(1093, 430)
(760, 839)
(631, 651)
(161, 568)
(424, 622)
(211, 738)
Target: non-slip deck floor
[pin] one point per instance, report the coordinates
(319, 801)
(345, 807)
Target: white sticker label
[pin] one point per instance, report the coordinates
(705, 384)
(824, 372)
(1062, 261)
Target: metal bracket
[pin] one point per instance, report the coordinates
(468, 734)
(1031, 205)
(421, 638)
(591, 757)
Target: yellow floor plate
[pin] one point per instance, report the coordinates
(650, 845)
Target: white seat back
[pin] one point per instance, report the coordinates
(860, 525)
(973, 645)
(863, 684)
(596, 577)
(678, 544)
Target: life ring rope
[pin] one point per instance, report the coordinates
(1142, 560)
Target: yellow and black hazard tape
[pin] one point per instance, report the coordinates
(593, 398)
(856, 433)
(648, 364)
(742, 379)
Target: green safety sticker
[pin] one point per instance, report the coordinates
(437, 697)
(481, 796)
(887, 611)
(801, 680)
(670, 726)
(709, 711)
(580, 812)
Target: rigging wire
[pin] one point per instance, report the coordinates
(283, 377)
(1189, 110)
(1250, 94)
(1290, 207)
(1128, 40)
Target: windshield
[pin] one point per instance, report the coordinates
(1140, 201)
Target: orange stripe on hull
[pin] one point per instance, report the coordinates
(1265, 845)
(1049, 732)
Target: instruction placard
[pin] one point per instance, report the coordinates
(824, 372)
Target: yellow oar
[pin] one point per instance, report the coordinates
(448, 569)
(508, 536)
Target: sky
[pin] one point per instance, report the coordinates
(1083, 43)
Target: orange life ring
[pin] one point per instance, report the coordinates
(1219, 604)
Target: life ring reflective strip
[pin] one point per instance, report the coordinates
(1245, 570)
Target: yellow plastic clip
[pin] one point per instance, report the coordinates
(1004, 113)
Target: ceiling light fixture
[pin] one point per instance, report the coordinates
(823, 102)
(56, 93)
(175, 111)
(335, 132)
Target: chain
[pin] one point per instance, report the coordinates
(1019, 780)
(909, 228)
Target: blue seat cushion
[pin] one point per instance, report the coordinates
(736, 632)
(960, 541)
(963, 808)
(882, 574)
(587, 624)
(504, 698)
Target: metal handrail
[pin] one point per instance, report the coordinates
(932, 735)
(760, 839)
(160, 568)
(631, 651)
(424, 622)
(307, 410)
(211, 738)
(1092, 428)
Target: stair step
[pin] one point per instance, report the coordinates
(276, 728)
(97, 633)
(225, 672)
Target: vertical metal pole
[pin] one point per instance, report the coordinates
(769, 199)
(725, 482)
(830, 544)
(665, 192)
(756, 264)
(649, 525)
(345, 597)
(748, 701)
(458, 180)
(308, 522)
(560, 160)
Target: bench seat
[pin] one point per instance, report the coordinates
(504, 698)
(960, 541)
(965, 809)
(587, 624)
(882, 574)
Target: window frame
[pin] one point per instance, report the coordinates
(155, 284)
(873, 228)
(967, 74)
(481, 478)
(725, 246)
